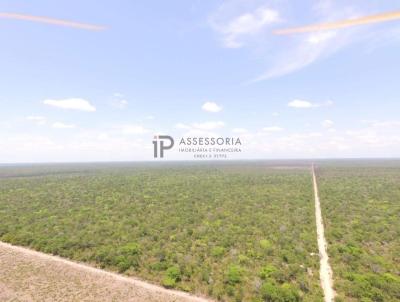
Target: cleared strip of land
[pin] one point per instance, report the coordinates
(27, 275)
(325, 270)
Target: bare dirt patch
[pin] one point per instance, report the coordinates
(27, 275)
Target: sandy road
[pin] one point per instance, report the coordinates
(27, 275)
(325, 270)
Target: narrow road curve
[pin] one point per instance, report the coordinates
(325, 270)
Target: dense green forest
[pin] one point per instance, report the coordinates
(233, 232)
(361, 209)
(242, 231)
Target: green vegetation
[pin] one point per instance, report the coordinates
(361, 209)
(234, 232)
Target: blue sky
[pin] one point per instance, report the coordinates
(197, 68)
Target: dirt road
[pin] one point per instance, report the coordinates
(325, 270)
(27, 275)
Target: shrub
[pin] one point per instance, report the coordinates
(275, 293)
(265, 244)
(217, 251)
(174, 273)
(130, 249)
(168, 282)
(171, 277)
(234, 274)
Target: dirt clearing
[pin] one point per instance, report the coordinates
(26, 275)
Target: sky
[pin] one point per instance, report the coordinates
(100, 86)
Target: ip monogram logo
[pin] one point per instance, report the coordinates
(161, 143)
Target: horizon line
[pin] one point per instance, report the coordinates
(200, 160)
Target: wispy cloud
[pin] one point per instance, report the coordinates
(119, 101)
(203, 128)
(53, 21)
(211, 107)
(304, 51)
(237, 28)
(60, 125)
(72, 103)
(209, 125)
(133, 129)
(241, 23)
(272, 129)
(182, 126)
(327, 124)
(385, 124)
(320, 37)
(239, 130)
(39, 120)
(302, 104)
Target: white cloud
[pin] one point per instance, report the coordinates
(119, 101)
(71, 103)
(39, 120)
(211, 107)
(249, 23)
(320, 37)
(386, 124)
(120, 104)
(376, 138)
(198, 129)
(245, 23)
(275, 114)
(133, 129)
(242, 23)
(182, 126)
(201, 126)
(272, 129)
(208, 125)
(327, 124)
(302, 51)
(364, 136)
(60, 125)
(239, 130)
(84, 145)
(302, 104)
(252, 22)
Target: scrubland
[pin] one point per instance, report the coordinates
(241, 231)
